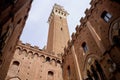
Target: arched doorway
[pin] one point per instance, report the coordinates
(94, 70)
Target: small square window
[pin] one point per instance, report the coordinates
(60, 17)
(106, 16)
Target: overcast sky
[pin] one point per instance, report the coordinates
(36, 28)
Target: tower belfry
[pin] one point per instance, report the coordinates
(58, 34)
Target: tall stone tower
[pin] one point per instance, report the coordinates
(58, 30)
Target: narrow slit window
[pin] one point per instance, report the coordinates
(61, 28)
(69, 72)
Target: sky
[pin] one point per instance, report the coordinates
(36, 28)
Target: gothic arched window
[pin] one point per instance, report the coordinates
(85, 47)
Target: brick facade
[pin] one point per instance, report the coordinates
(13, 15)
(91, 54)
(32, 63)
(96, 42)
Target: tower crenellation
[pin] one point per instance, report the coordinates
(58, 10)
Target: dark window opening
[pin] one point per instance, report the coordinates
(55, 10)
(119, 32)
(16, 63)
(8, 1)
(95, 75)
(0, 62)
(50, 73)
(69, 72)
(60, 17)
(106, 16)
(61, 29)
(116, 40)
(48, 59)
(19, 21)
(118, 1)
(28, 10)
(25, 17)
(11, 1)
(58, 61)
(85, 47)
(63, 61)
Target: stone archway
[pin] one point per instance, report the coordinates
(95, 72)
(90, 58)
(93, 69)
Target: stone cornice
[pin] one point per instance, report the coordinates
(35, 49)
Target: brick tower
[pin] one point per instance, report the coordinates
(58, 30)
